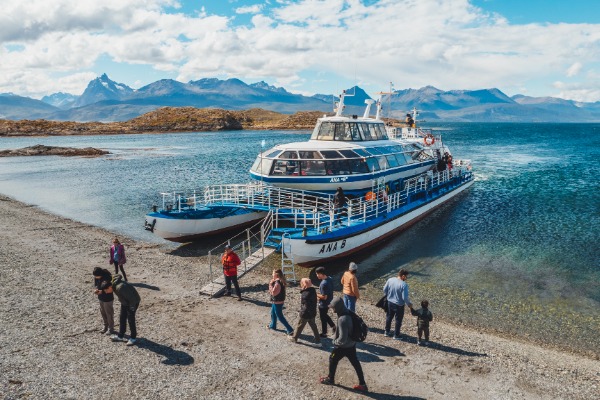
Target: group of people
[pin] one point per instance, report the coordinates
(311, 301)
(106, 286)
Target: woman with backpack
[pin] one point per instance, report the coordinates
(277, 287)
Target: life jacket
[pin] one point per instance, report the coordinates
(281, 295)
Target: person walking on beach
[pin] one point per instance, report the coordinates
(350, 287)
(230, 262)
(130, 301)
(325, 296)
(277, 287)
(308, 311)
(344, 346)
(103, 289)
(117, 257)
(396, 292)
(424, 317)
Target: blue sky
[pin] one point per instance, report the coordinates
(531, 47)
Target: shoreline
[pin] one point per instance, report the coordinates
(189, 343)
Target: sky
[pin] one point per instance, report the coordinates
(532, 47)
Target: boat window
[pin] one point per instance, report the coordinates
(366, 132)
(373, 150)
(381, 132)
(388, 149)
(315, 155)
(362, 152)
(289, 155)
(262, 166)
(256, 164)
(324, 131)
(397, 149)
(373, 164)
(359, 166)
(383, 164)
(337, 167)
(354, 131)
(348, 153)
(401, 159)
(391, 159)
(274, 154)
(308, 168)
(330, 154)
(342, 132)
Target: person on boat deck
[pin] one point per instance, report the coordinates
(339, 202)
(350, 287)
(230, 262)
(291, 165)
(117, 257)
(410, 121)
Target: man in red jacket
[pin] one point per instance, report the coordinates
(230, 262)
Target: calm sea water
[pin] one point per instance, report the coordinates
(516, 253)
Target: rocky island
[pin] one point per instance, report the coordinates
(168, 119)
(41, 150)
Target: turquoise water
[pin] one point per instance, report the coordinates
(516, 253)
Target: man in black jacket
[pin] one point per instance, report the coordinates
(130, 301)
(308, 311)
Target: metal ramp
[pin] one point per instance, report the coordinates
(287, 259)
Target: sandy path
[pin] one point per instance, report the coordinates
(195, 347)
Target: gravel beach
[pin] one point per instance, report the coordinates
(194, 347)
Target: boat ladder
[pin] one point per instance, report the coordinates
(287, 258)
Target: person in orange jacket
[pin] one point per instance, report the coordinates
(350, 287)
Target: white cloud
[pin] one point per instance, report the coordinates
(445, 43)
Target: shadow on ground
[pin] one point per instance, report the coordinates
(145, 286)
(171, 356)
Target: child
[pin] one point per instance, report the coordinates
(424, 316)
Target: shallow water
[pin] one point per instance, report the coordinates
(516, 253)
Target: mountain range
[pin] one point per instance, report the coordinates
(105, 100)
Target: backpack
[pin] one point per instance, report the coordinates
(359, 328)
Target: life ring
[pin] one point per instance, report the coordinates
(369, 196)
(429, 139)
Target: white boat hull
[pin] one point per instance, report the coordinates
(185, 230)
(307, 254)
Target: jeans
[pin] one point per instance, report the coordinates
(300, 327)
(128, 315)
(350, 302)
(228, 281)
(277, 314)
(396, 312)
(337, 354)
(325, 320)
(117, 266)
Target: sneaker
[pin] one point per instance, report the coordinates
(326, 381)
(131, 342)
(361, 388)
(419, 343)
(104, 330)
(319, 345)
(388, 334)
(397, 337)
(290, 333)
(323, 335)
(292, 339)
(117, 338)
(109, 332)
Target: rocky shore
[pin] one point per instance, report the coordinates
(168, 119)
(41, 150)
(194, 347)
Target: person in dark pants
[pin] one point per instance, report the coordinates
(424, 317)
(308, 311)
(325, 296)
(344, 346)
(339, 202)
(130, 301)
(230, 262)
(396, 292)
(117, 257)
(103, 289)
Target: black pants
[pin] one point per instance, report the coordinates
(337, 354)
(325, 320)
(117, 266)
(128, 316)
(228, 281)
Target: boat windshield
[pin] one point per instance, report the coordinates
(349, 131)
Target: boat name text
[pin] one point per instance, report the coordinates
(329, 247)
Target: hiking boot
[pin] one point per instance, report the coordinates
(117, 338)
(326, 381)
(361, 388)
